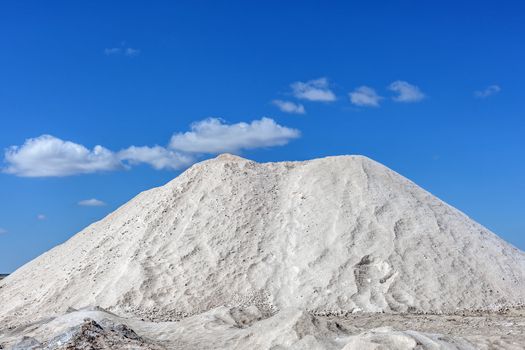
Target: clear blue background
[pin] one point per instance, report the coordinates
(230, 59)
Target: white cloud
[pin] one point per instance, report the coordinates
(49, 156)
(41, 217)
(365, 96)
(121, 50)
(112, 51)
(93, 202)
(289, 107)
(158, 157)
(488, 91)
(214, 136)
(406, 92)
(313, 90)
(3, 231)
(131, 52)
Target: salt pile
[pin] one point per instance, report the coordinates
(330, 237)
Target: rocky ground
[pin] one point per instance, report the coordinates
(235, 328)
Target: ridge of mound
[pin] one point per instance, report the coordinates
(334, 235)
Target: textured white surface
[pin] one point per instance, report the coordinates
(332, 235)
(223, 328)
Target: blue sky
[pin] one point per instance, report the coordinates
(432, 89)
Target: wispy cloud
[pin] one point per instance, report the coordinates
(406, 92)
(3, 231)
(289, 107)
(112, 51)
(93, 202)
(365, 96)
(488, 91)
(47, 156)
(41, 217)
(213, 136)
(131, 52)
(314, 90)
(121, 50)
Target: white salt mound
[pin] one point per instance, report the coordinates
(332, 236)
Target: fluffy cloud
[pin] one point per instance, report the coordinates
(365, 96)
(213, 136)
(406, 92)
(49, 156)
(313, 90)
(289, 107)
(158, 157)
(41, 217)
(93, 202)
(488, 91)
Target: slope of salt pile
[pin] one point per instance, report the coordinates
(333, 236)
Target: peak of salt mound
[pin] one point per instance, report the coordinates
(230, 158)
(332, 235)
